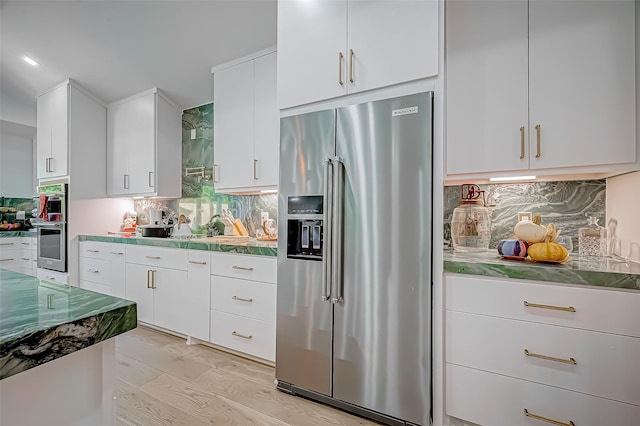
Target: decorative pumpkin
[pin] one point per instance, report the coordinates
(513, 248)
(530, 231)
(549, 250)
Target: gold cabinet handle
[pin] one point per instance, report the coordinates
(49, 301)
(6, 260)
(548, 420)
(24, 258)
(153, 278)
(6, 244)
(117, 252)
(153, 257)
(25, 244)
(215, 174)
(537, 141)
(550, 358)
(555, 308)
(148, 278)
(94, 271)
(351, 65)
(93, 251)
(235, 333)
(522, 142)
(197, 263)
(242, 268)
(340, 57)
(125, 184)
(151, 179)
(241, 299)
(255, 164)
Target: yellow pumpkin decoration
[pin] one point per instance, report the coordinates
(549, 250)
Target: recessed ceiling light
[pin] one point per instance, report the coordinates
(30, 61)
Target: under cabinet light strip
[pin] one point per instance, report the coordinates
(511, 178)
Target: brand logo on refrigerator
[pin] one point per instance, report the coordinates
(404, 111)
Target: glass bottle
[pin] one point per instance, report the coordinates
(592, 239)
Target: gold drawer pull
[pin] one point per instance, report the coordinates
(6, 244)
(25, 258)
(242, 268)
(153, 257)
(117, 252)
(93, 251)
(242, 299)
(94, 271)
(555, 308)
(550, 358)
(197, 263)
(6, 260)
(26, 244)
(235, 333)
(522, 142)
(548, 420)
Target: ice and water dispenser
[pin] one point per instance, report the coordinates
(304, 227)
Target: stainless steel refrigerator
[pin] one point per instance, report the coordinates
(354, 258)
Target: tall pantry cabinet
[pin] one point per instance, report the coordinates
(539, 85)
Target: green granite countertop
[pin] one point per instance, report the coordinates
(41, 320)
(223, 244)
(21, 233)
(592, 271)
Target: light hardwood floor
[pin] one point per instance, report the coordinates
(163, 381)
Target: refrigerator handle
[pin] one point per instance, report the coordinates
(336, 231)
(327, 219)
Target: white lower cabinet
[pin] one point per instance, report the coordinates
(562, 353)
(15, 254)
(243, 304)
(102, 267)
(171, 287)
(496, 400)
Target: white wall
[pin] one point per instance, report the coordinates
(17, 112)
(16, 166)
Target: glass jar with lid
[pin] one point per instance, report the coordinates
(592, 239)
(471, 221)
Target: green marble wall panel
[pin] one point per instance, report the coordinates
(197, 152)
(565, 203)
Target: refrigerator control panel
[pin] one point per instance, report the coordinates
(305, 204)
(304, 239)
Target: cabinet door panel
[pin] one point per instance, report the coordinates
(233, 126)
(267, 121)
(119, 125)
(43, 136)
(390, 51)
(487, 68)
(138, 290)
(171, 299)
(141, 154)
(582, 82)
(58, 164)
(311, 34)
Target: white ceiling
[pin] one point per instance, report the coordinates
(115, 49)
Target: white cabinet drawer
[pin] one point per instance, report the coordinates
(605, 364)
(199, 259)
(98, 288)
(494, 400)
(47, 274)
(606, 310)
(15, 258)
(117, 251)
(95, 270)
(95, 249)
(256, 268)
(250, 336)
(10, 243)
(157, 256)
(246, 298)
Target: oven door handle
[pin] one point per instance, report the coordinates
(48, 224)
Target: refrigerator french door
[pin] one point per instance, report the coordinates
(354, 271)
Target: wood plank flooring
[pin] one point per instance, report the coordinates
(163, 381)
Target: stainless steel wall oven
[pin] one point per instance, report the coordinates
(51, 225)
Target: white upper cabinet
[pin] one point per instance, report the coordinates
(582, 83)
(53, 132)
(328, 49)
(144, 146)
(539, 85)
(246, 125)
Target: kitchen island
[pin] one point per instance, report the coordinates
(57, 352)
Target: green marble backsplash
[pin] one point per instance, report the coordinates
(199, 200)
(565, 203)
